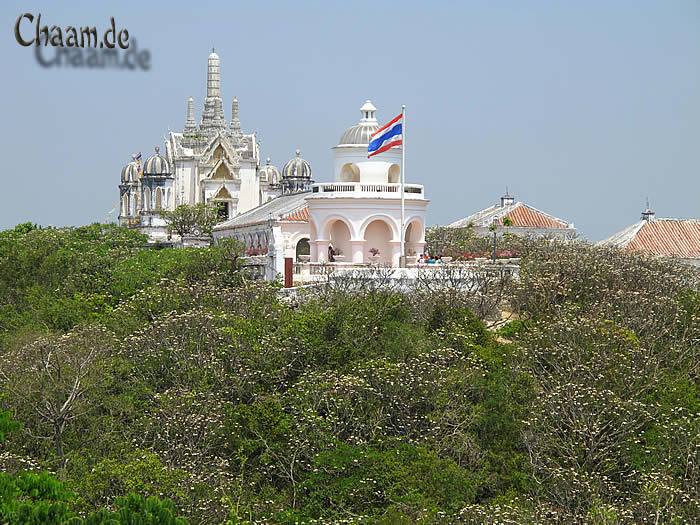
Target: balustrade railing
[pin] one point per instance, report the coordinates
(389, 190)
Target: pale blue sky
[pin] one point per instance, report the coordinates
(583, 109)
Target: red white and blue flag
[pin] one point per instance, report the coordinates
(386, 137)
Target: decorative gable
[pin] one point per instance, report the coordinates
(220, 149)
(223, 193)
(222, 170)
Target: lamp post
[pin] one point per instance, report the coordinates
(493, 229)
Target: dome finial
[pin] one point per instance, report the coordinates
(133, 157)
(267, 161)
(157, 150)
(212, 49)
(367, 111)
(298, 152)
(361, 133)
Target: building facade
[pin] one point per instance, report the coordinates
(355, 218)
(359, 212)
(213, 162)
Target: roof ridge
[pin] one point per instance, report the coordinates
(675, 219)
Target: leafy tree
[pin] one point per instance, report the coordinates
(195, 219)
(137, 509)
(53, 381)
(34, 499)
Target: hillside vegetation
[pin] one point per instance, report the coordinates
(135, 377)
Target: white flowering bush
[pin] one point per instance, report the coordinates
(172, 376)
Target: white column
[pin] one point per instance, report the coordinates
(395, 253)
(278, 245)
(358, 248)
(319, 250)
(322, 250)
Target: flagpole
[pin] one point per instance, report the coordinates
(402, 255)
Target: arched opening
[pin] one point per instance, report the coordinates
(394, 173)
(339, 239)
(224, 206)
(303, 248)
(159, 199)
(222, 211)
(350, 173)
(414, 235)
(147, 199)
(125, 205)
(378, 235)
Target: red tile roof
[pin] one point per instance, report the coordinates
(299, 215)
(674, 237)
(528, 217)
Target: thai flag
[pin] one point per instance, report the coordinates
(388, 136)
(138, 158)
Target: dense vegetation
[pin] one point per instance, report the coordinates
(141, 377)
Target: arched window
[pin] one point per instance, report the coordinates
(350, 173)
(394, 173)
(303, 248)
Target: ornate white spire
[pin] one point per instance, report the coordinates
(190, 123)
(235, 123)
(213, 115)
(214, 75)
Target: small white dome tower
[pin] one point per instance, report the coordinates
(350, 155)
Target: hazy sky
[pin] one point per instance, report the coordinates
(583, 109)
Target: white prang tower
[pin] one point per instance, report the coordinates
(203, 164)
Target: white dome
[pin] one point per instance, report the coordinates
(156, 165)
(130, 172)
(270, 174)
(361, 134)
(297, 168)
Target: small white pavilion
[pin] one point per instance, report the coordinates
(361, 209)
(357, 214)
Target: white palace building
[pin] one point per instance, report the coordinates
(355, 217)
(357, 214)
(214, 162)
